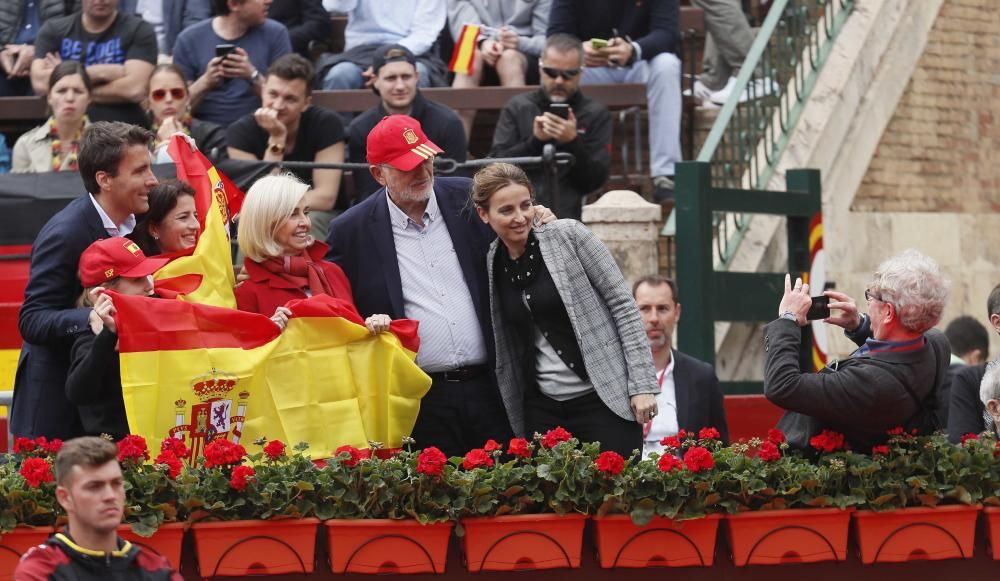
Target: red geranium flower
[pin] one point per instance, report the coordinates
(354, 453)
(431, 461)
(36, 471)
(555, 436)
(519, 447)
(880, 450)
(672, 442)
(477, 458)
(682, 434)
(776, 437)
(697, 459)
(827, 441)
(897, 431)
(171, 461)
(176, 446)
(668, 462)
(24, 445)
(709, 434)
(610, 462)
(133, 448)
(491, 446)
(242, 475)
(222, 452)
(768, 452)
(49, 446)
(274, 449)
(967, 437)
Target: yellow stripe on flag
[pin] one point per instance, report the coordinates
(465, 48)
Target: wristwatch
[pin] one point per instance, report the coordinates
(254, 76)
(790, 316)
(275, 148)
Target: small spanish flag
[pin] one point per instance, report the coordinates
(465, 48)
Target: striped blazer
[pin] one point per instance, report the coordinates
(602, 312)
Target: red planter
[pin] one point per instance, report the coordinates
(915, 534)
(527, 541)
(993, 530)
(661, 543)
(801, 535)
(387, 546)
(255, 547)
(16, 543)
(166, 541)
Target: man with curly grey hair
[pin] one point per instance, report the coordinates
(989, 394)
(889, 381)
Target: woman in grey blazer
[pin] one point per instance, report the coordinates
(571, 350)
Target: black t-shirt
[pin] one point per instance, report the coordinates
(319, 128)
(129, 37)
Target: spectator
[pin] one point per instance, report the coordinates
(689, 398)
(227, 86)
(726, 46)
(527, 123)
(371, 24)
(20, 21)
(989, 397)
(644, 52)
(116, 168)
(284, 262)
(54, 145)
(969, 341)
(171, 224)
(94, 383)
(966, 411)
(289, 128)
(890, 381)
(569, 341)
(92, 492)
(396, 75)
(413, 250)
(168, 24)
(118, 49)
(306, 21)
(509, 47)
(170, 112)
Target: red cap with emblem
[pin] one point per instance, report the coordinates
(399, 141)
(111, 258)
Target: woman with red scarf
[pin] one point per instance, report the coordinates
(283, 261)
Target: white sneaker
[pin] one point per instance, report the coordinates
(756, 89)
(700, 91)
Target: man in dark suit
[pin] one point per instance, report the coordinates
(966, 412)
(416, 250)
(116, 168)
(689, 398)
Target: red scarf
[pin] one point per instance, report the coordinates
(301, 271)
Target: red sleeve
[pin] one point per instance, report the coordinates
(39, 563)
(153, 563)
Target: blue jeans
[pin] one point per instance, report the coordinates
(347, 75)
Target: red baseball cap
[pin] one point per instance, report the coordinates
(399, 141)
(114, 257)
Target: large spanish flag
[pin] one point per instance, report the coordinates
(199, 372)
(203, 274)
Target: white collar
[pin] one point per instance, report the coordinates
(127, 226)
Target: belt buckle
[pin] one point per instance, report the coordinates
(453, 375)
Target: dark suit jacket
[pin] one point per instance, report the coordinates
(698, 397)
(965, 408)
(48, 323)
(653, 24)
(361, 243)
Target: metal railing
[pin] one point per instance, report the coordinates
(748, 138)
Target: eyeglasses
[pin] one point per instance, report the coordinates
(566, 74)
(161, 94)
(870, 296)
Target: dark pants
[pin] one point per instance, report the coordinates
(457, 416)
(586, 417)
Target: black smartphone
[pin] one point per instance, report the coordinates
(224, 49)
(559, 109)
(819, 309)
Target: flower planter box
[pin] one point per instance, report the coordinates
(663, 542)
(16, 543)
(992, 514)
(255, 547)
(519, 542)
(387, 546)
(914, 534)
(166, 541)
(800, 535)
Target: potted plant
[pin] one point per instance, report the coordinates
(782, 507)
(921, 499)
(527, 512)
(28, 507)
(252, 514)
(985, 455)
(661, 511)
(387, 515)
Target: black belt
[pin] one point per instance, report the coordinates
(460, 374)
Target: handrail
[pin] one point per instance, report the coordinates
(748, 139)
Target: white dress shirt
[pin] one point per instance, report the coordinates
(665, 422)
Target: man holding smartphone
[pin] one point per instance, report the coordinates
(559, 113)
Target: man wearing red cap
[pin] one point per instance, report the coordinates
(414, 249)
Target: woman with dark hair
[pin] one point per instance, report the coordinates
(169, 103)
(54, 145)
(171, 224)
(571, 350)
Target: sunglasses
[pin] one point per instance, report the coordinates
(161, 94)
(565, 74)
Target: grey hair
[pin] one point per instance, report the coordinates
(990, 386)
(914, 284)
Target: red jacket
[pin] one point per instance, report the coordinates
(265, 292)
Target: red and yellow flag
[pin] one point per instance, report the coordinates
(199, 372)
(203, 274)
(465, 49)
